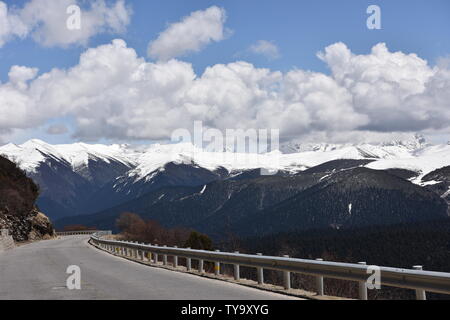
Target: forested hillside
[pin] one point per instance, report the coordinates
(405, 245)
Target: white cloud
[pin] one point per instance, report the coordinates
(395, 90)
(46, 21)
(114, 93)
(10, 25)
(444, 62)
(191, 34)
(265, 48)
(19, 75)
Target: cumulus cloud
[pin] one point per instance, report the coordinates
(11, 25)
(265, 48)
(395, 90)
(444, 62)
(191, 34)
(113, 93)
(19, 75)
(46, 21)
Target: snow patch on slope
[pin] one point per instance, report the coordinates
(422, 161)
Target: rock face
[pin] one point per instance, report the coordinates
(18, 212)
(6, 241)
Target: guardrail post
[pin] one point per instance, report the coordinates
(287, 277)
(165, 257)
(155, 256)
(362, 287)
(201, 269)
(420, 294)
(175, 260)
(260, 272)
(149, 255)
(188, 262)
(319, 283)
(237, 271)
(217, 267)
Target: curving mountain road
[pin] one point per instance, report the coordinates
(38, 271)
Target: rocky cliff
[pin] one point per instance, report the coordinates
(18, 212)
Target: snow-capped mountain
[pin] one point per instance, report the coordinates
(417, 141)
(82, 178)
(415, 155)
(34, 152)
(337, 194)
(68, 174)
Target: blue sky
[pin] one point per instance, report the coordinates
(299, 29)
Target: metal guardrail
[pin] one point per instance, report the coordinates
(417, 279)
(81, 232)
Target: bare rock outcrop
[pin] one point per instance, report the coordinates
(18, 212)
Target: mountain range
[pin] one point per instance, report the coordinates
(225, 193)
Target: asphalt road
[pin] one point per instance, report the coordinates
(38, 271)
